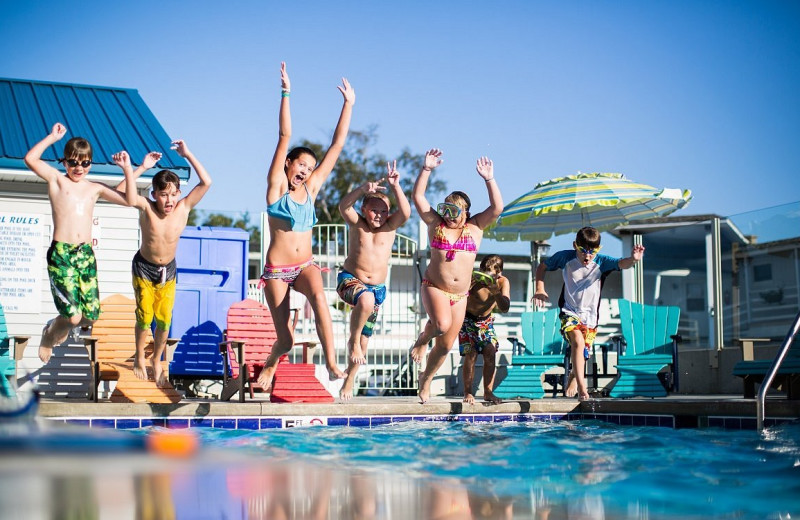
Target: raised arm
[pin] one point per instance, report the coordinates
(202, 187)
(540, 297)
(148, 162)
(33, 159)
(277, 183)
(426, 213)
(486, 217)
(346, 209)
(403, 211)
(636, 254)
(325, 167)
(501, 291)
(131, 194)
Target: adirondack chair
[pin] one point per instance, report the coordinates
(754, 371)
(11, 350)
(651, 339)
(544, 349)
(248, 341)
(111, 349)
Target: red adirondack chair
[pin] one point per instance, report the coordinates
(248, 341)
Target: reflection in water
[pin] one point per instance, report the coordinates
(146, 487)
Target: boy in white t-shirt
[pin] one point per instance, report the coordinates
(584, 273)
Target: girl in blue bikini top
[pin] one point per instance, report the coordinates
(301, 217)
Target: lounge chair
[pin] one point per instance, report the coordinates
(112, 348)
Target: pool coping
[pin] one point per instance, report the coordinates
(682, 412)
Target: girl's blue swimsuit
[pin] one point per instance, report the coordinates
(300, 216)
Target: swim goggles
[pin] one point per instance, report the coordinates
(448, 210)
(73, 163)
(589, 251)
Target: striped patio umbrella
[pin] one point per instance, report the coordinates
(566, 204)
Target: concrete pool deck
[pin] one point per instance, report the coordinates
(689, 411)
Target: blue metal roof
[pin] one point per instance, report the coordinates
(110, 118)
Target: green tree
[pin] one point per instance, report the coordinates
(359, 163)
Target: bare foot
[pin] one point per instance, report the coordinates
(346, 393)
(265, 378)
(489, 397)
(335, 373)
(357, 356)
(139, 368)
(159, 375)
(424, 392)
(572, 386)
(418, 352)
(45, 345)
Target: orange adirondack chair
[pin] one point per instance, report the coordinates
(247, 343)
(111, 349)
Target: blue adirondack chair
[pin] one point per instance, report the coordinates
(651, 337)
(544, 349)
(11, 349)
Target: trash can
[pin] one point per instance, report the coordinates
(212, 275)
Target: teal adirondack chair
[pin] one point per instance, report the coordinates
(544, 349)
(11, 350)
(651, 336)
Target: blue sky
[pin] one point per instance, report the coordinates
(680, 94)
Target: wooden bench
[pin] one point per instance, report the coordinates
(112, 347)
(544, 348)
(11, 351)
(651, 344)
(754, 371)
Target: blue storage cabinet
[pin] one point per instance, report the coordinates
(212, 275)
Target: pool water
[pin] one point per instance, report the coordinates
(543, 470)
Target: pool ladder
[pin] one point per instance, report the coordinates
(773, 370)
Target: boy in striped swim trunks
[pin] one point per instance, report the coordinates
(584, 272)
(71, 265)
(162, 221)
(361, 280)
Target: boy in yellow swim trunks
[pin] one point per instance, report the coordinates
(71, 264)
(162, 221)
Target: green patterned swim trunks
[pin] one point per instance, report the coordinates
(72, 269)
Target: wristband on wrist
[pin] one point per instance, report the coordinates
(426, 169)
(284, 93)
(489, 179)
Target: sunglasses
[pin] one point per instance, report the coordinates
(588, 251)
(448, 210)
(73, 163)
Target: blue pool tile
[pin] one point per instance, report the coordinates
(247, 424)
(359, 422)
(127, 424)
(464, 418)
(482, 418)
(226, 423)
(652, 420)
(201, 422)
(733, 423)
(273, 422)
(639, 420)
(394, 419)
(749, 423)
(157, 422)
(78, 422)
(103, 423)
(177, 423)
(668, 421)
(626, 420)
(377, 421)
(716, 422)
(501, 418)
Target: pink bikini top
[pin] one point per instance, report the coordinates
(464, 243)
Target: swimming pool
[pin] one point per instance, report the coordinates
(419, 469)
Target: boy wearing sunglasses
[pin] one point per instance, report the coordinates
(162, 221)
(71, 265)
(361, 280)
(584, 271)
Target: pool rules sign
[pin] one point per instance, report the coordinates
(21, 262)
